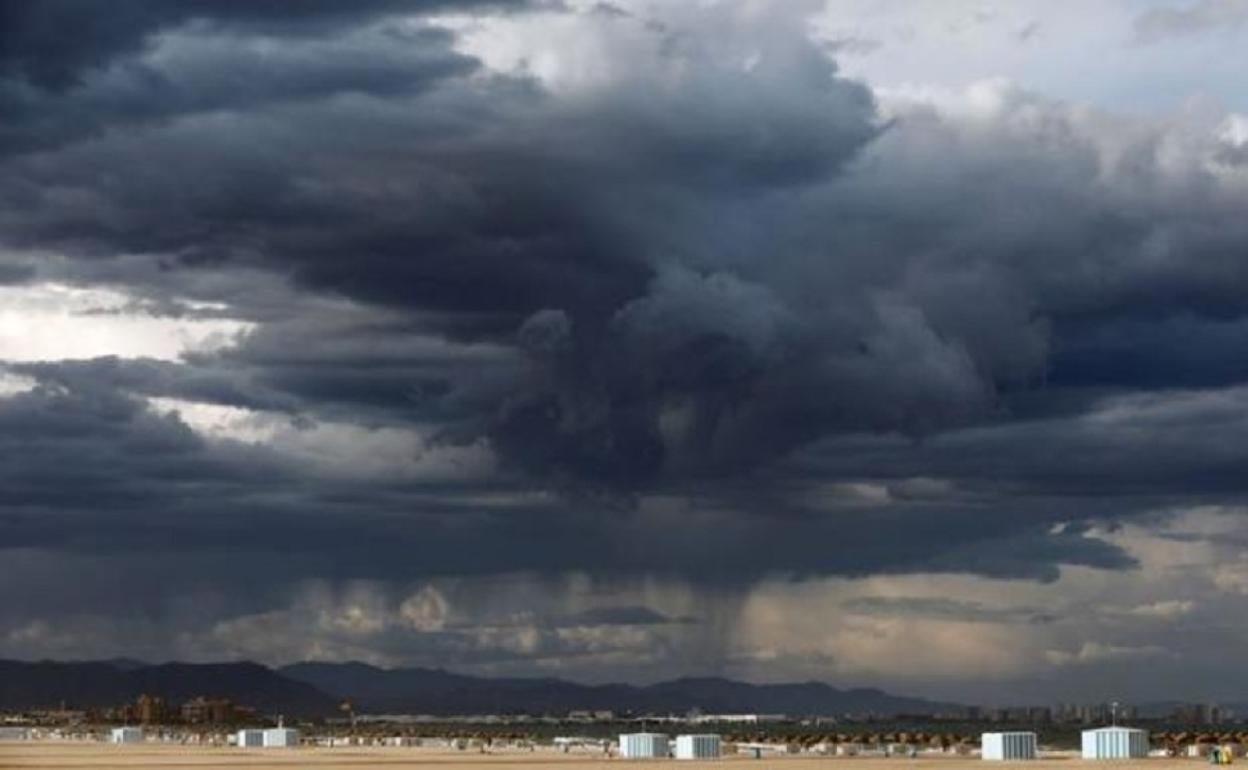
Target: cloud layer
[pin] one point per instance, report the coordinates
(649, 307)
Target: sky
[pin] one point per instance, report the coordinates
(870, 342)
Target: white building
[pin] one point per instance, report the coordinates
(281, 738)
(14, 734)
(126, 735)
(697, 747)
(1115, 743)
(645, 746)
(249, 739)
(745, 719)
(1014, 745)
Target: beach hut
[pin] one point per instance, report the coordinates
(1012, 745)
(249, 738)
(1115, 742)
(645, 745)
(281, 738)
(697, 747)
(126, 735)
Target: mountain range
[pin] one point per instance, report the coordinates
(47, 684)
(431, 691)
(316, 689)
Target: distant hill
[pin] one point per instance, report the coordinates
(432, 691)
(316, 689)
(109, 683)
(126, 664)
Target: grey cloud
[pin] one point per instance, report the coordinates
(1164, 23)
(683, 319)
(620, 616)
(15, 274)
(198, 74)
(645, 369)
(854, 46)
(1028, 31)
(215, 385)
(101, 473)
(1184, 350)
(609, 9)
(52, 44)
(1114, 453)
(946, 609)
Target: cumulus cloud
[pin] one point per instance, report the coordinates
(425, 610)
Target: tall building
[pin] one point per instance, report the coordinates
(152, 710)
(1197, 714)
(208, 711)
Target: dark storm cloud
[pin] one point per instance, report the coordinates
(96, 479)
(1180, 351)
(1114, 454)
(493, 227)
(216, 385)
(94, 471)
(203, 76)
(717, 316)
(52, 44)
(112, 454)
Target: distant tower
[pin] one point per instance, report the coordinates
(348, 707)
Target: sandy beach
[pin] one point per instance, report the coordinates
(92, 756)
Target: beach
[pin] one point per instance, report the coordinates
(53, 755)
